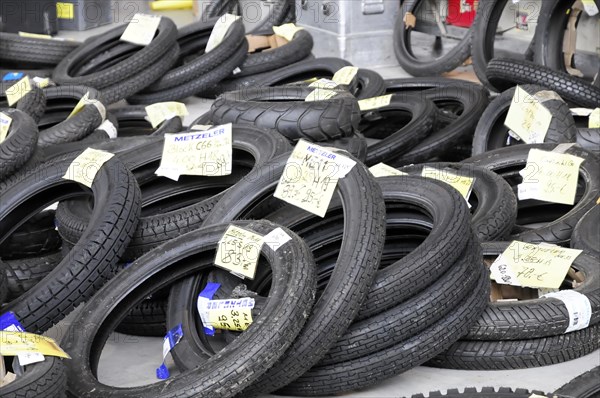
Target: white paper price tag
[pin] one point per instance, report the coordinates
(238, 251)
(5, 122)
(231, 314)
(85, 166)
(375, 102)
(161, 111)
(219, 31)
(594, 121)
(85, 100)
(109, 128)
(323, 83)
(383, 170)
(287, 31)
(199, 153)
(276, 238)
(345, 75)
(462, 184)
(320, 94)
(578, 307)
(528, 118)
(141, 29)
(310, 177)
(18, 90)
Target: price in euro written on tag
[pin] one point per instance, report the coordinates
(239, 251)
(310, 177)
(232, 314)
(528, 118)
(199, 153)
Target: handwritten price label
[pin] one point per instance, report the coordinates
(232, 314)
(462, 184)
(550, 176)
(532, 265)
(528, 118)
(18, 90)
(16, 343)
(310, 177)
(141, 29)
(85, 166)
(198, 153)
(159, 112)
(239, 251)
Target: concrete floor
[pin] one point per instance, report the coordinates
(138, 357)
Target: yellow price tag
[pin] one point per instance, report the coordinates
(35, 35)
(238, 251)
(232, 314)
(219, 31)
(141, 29)
(462, 184)
(375, 102)
(18, 90)
(199, 153)
(533, 265)
(320, 94)
(345, 75)
(161, 111)
(15, 343)
(85, 166)
(383, 170)
(65, 10)
(594, 121)
(287, 31)
(5, 122)
(310, 177)
(528, 118)
(550, 176)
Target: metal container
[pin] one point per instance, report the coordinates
(83, 14)
(360, 31)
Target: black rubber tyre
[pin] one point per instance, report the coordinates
(265, 61)
(250, 355)
(60, 102)
(24, 273)
(412, 64)
(205, 62)
(504, 74)
(283, 109)
(93, 260)
(502, 392)
(153, 230)
(3, 283)
(33, 103)
(589, 139)
(536, 318)
(141, 58)
(42, 379)
(19, 145)
(404, 85)
(550, 35)
(491, 133)
(43, 52)
(471, 100)
(146, 319)
(360, 253)
(406, 277)
(518, 354)
(194, 86)
(507, 162)
(132, 122)
(300, 71)
(35, 237)
(586, 385)
(586, 235)
(368, 370)
(493, 200)
(355, 145)
(403, 138)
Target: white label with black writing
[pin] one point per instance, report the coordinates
(578, 306)
(141, 29)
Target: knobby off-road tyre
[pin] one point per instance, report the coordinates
(469, 392)
(94, 258)
(410, 63)
(504, 74)
(19, 145)
(33, 103)
(360, 253)
(236, 366)
(495, 210)
(491, 133)
(518, 354)
(283, 109)
(535, 318)
(507, 162)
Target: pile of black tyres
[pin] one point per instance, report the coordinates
(394, 276)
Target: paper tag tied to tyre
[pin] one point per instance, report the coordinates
(550, 176)
(527, 117)
(5, 122)
(10, 323)
(85, 166)
(383, 170)
(238, 251)
(345, 75)
(219, 31)
(141, 29)
(18, 90)
(159, 112)
(199, 153)
(375, 102)
(310, 177)
(533, 265)
(85, 101)
(287, 31)
(463, 184)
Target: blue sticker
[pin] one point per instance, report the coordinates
(9, 321)
(209, 291)
(12, 76)
(171, 339)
